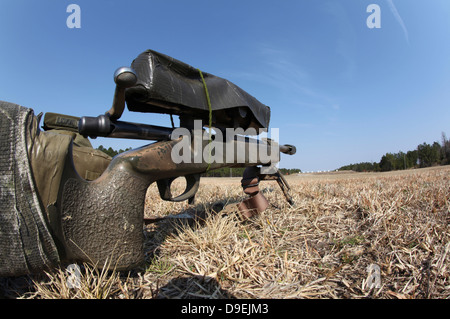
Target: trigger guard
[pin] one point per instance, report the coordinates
(192, 185)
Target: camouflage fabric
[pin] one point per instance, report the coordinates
(26, 244)
(48, 152)
(65, 124)
(89, 162)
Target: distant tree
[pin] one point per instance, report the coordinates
(361, 167)
(411, 159)
(436, 154)
(289, 171)
(239, 171)
(445, 150)
(399, 160)
(424, 155)
(110, 151)
(387, 162)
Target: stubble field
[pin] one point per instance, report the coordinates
(349, 235)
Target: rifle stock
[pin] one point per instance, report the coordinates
(104, 218)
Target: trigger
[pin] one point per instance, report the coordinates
(164, 188)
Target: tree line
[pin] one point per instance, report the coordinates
(239, 171)
(110, 151)
(425, 155)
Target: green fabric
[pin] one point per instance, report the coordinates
(26, 244)
(210, 117)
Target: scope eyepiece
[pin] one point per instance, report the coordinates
(94, 126)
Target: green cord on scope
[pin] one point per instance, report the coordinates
(210, 117)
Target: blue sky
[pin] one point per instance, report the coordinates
(341, 92)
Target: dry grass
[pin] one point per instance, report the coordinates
(321, 248)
